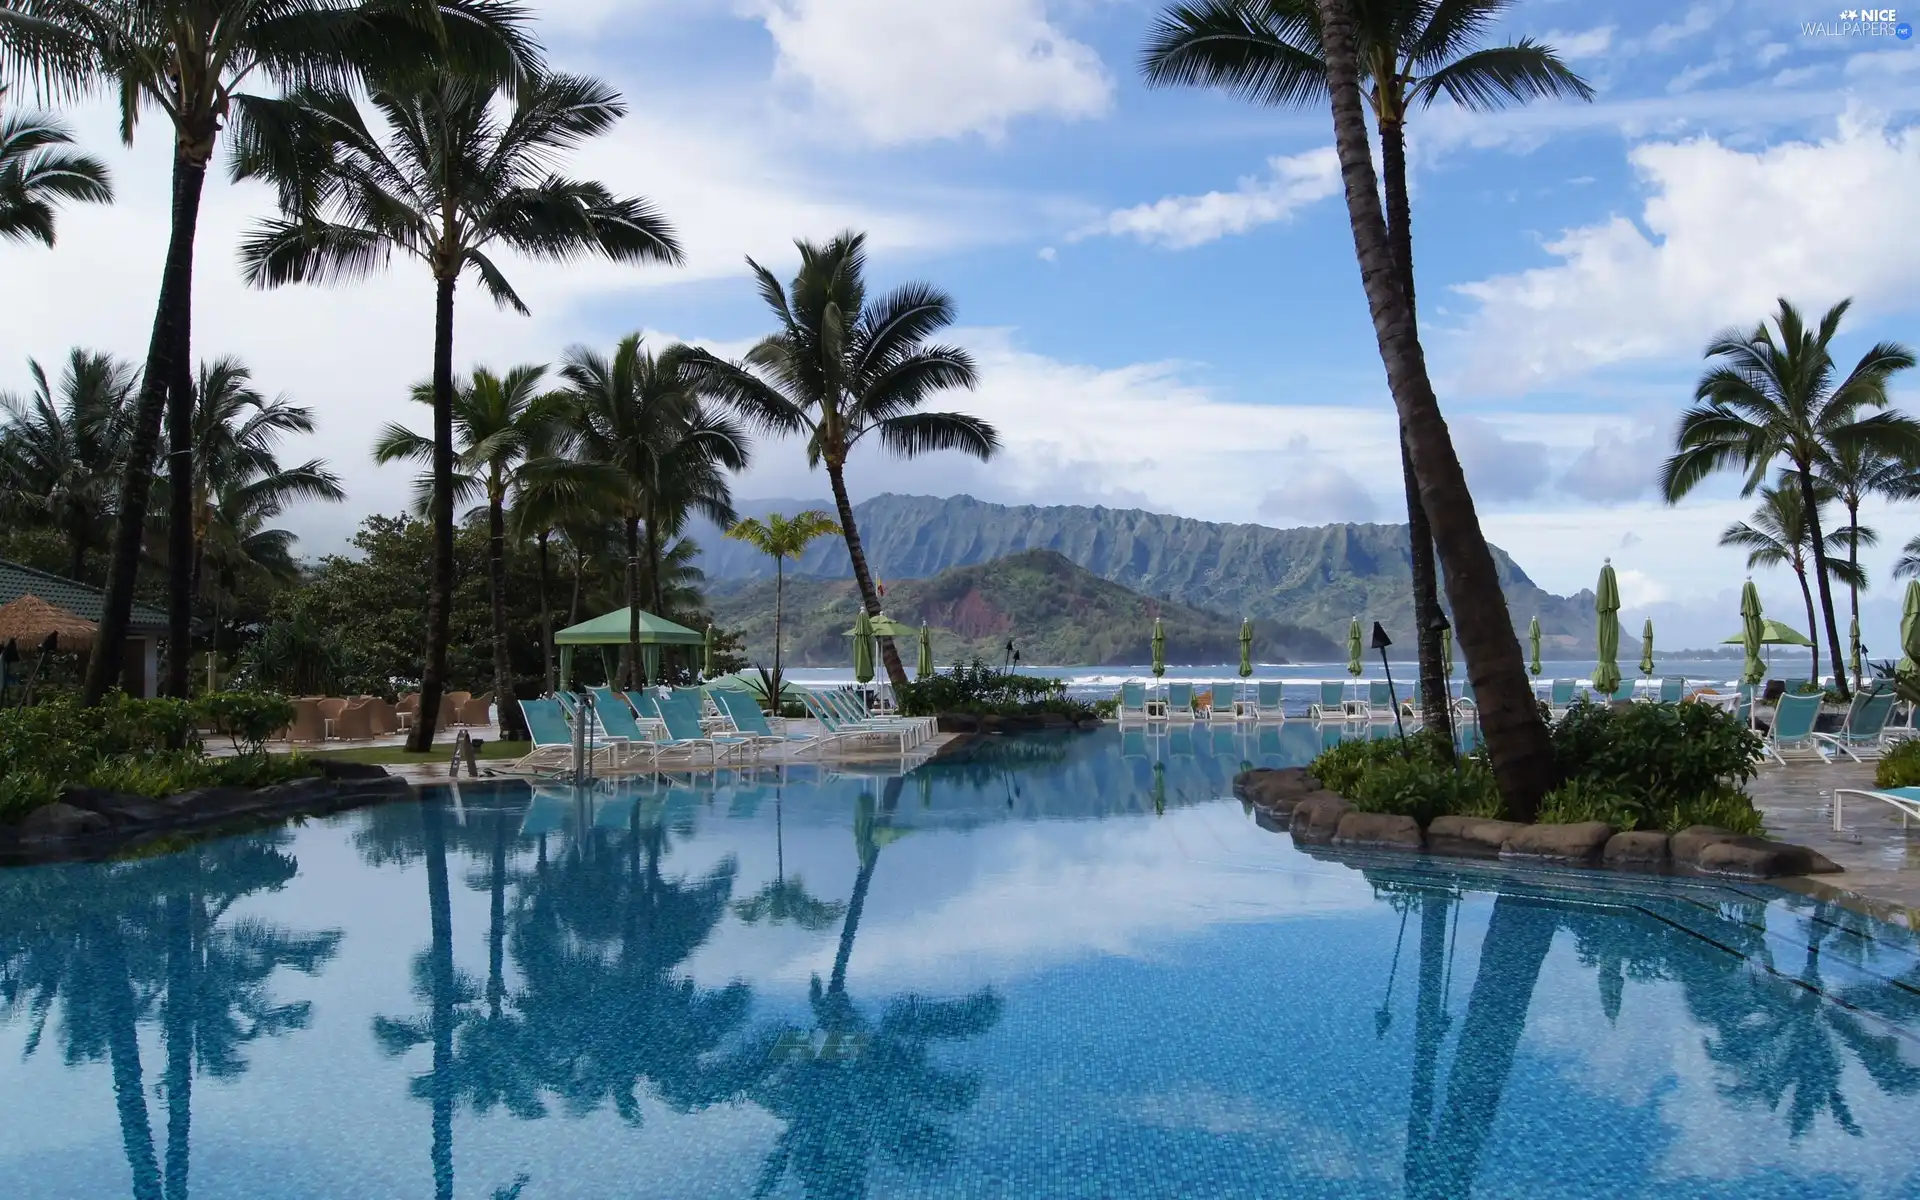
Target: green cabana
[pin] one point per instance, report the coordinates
(612, 630)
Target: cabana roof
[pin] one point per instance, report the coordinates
(611, 630)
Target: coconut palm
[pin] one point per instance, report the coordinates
(552, 489)
(461, 173)
(841, 368)
(638, 417)
(37, 173)
(190, 60)
(783, 538)
(1772, 398)
(500, 423)
(1411, 52)
(1516, 736)
(1856, 471)
(63, 447)
(1780, 533)
(1907, 566)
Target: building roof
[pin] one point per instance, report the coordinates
(77, 598)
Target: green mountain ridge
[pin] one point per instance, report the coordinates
(1053, 610)
(1315, 577)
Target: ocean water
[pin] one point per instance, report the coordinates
(1057, 966)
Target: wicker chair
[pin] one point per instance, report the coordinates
(476, 710)
(308, 723)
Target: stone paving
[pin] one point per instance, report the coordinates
(1882, 859)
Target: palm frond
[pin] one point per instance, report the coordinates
(915, 434)
(1268, 53)
(1502, 75)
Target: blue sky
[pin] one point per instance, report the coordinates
(1159, 285)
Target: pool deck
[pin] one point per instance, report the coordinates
(1882, 859)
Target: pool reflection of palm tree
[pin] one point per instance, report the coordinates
(869, 1087)
(783, 899)
(117, 944)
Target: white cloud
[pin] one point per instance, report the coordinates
(1315, 489)
(1770, 53)
(1884, 62)
(1697, 20)
(1498, 467)
(1687, 79)
(1585, 44)
(1726, 231)
(1794, 76)
(1048, 254)
(910, 70)
(1182, 222)
(1618, 466)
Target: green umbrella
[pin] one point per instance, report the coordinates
(1646, 649)
(863, 648)
(1355, 647)
(1751, 631)
(1606, 631)
(1533, 640)
(924, 668)
(1246, 649)
(884, 626)
(1159, 649)
(706, 662)
(1772, 633)
(1910, 628)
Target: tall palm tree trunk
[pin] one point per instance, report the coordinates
(433, 678)
(837, 981)
(440, 971)
(869, 595)
(179, 1023)
(114, 976)
(1806, 594)
(77, 557)
(1808, 498)
(180, 508)
(546, 617)
(633, 598)
(779, 615)
(656, 585)
(1436, 703)
(1516, 737)
(1429, 1029)
(136, 482)
(1853, 570)
(513, 725)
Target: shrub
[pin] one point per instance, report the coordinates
(1727, 807)
(1586, 800)
(247, 719)
(1657, 756)
(23, 791)
(1106, 709)
(1421, 788)
(978, 688)
(1900, 766)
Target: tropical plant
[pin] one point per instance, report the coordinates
(1516, 735)
(63, 448)
(1907, 566)
(641, 422)
(782, 537)
(500, 423)
(1772, 397)
(1855, 471)
(1780, 534)
(461, 173)
(37, 172)
(841, 368)
(189, 60)
(1410, 53)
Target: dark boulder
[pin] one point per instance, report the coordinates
(58, 821)
(1316, 818)
(335, 769)
(1638, 850)
(1380, 831)
(1714, 851)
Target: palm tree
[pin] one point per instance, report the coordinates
(1908, 564)
(783, 538)
(1772, 397)
(62, 449)
(240, 485)
(461, 174)
(1856, 471)
(1781, 533)
(1411, 52)
(638, 418)
(841, 368)
(1516, 737)
(501, 422)
(552, 489)
(36, 173)
(190, 60)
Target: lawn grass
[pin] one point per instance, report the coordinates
(392, 756)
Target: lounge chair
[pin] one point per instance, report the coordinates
(1791, 735)
(1332, 702)
(1267, 702)
(1133, 702)
(1861, 736)
(852, 706)
(749, 722)
(684, 734)
(1906, 800)
(552, 735)
(1560, 695)
(839, 727)
(1624, 693)
(1672, 688)
(1379, 701)
(1223, 703)
(1180, 702)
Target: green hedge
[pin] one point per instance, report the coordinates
(145, 747)
(982, 689)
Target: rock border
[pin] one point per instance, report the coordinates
(1289, 799)
(87, 824)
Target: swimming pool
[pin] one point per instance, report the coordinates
(1056, 966)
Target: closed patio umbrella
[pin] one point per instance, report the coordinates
(1533, 643)
(1159, 649)
(1246, 648)
(923, 669)
(1355, 648)
(1751, 631)
(1646, 649)
(863, 648)
(1606, 631)
(706, 657)
(1910, 628)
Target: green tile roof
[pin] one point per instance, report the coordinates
(77, 598)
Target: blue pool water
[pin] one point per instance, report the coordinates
(1054, 967)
